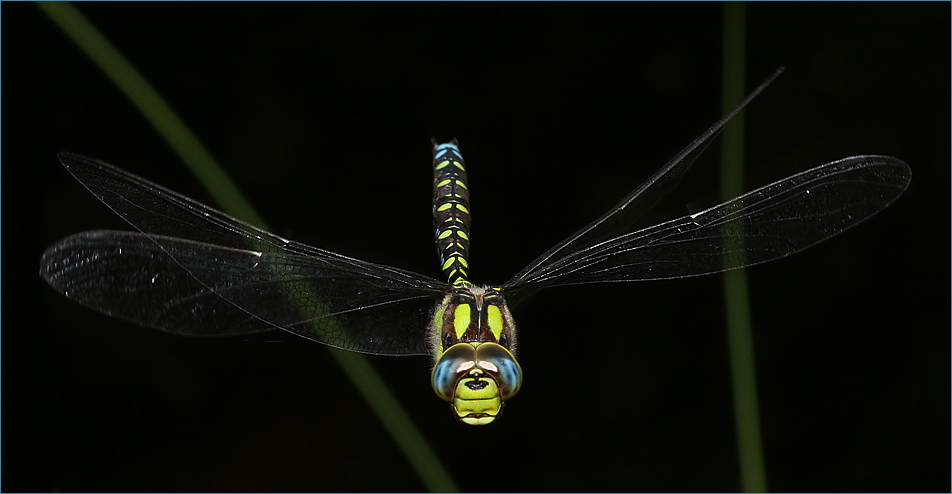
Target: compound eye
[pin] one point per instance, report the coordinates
(499, 363)
(455, 363)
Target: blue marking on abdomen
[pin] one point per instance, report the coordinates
(443, 148)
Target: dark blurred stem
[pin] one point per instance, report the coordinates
(743, 371)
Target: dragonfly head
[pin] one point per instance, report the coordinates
(476, 378)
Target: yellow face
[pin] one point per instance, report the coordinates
(477, 378)
(477, 400)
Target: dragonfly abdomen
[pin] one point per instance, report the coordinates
(451, 211)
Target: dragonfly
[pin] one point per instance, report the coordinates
(190, 269)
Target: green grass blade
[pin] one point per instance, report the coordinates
(743, 370)
(200, 161)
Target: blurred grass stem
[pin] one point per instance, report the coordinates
(737, 302)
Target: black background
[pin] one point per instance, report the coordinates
(322, 113)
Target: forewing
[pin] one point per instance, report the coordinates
(768, 223)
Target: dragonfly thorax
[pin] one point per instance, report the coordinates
(472, 314)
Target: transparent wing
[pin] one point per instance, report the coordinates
(191, 269)
(768, 223)
(623, 215)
